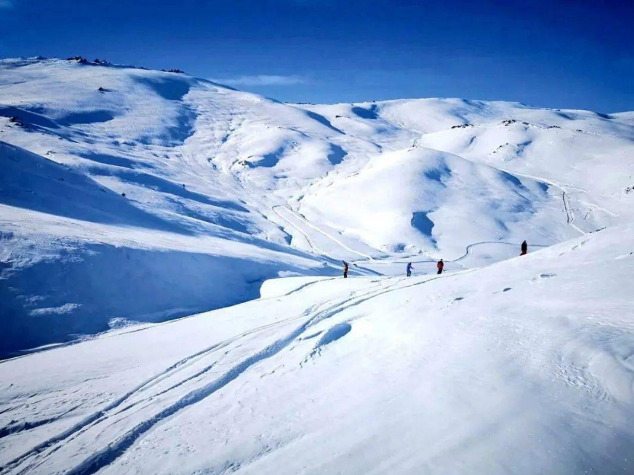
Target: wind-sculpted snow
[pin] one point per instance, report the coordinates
(335, 333)
(136, 195)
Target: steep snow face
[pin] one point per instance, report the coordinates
(524, 366)
(136, 195)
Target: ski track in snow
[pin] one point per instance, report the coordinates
(319, 230)
(116, 448)
(468, 251)
(312, 245)
(570, 215)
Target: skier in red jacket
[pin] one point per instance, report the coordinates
(440, 266)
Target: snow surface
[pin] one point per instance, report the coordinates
(225, 189)
(524, 366)
(130, 198)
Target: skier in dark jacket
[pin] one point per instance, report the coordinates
(345, 270)
(440, 266)
(524, 249)
(409, 269)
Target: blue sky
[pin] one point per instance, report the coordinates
(556, 53)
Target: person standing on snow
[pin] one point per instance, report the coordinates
(524, 249)
(409, 269)
(345, 270)
(440, 266)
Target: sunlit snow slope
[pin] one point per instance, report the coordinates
(525, 366)
(131, 195)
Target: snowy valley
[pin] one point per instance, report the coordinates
(171, 253)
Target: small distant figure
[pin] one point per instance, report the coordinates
(345, 270)
(409, 269)
(524, 249)
(440, 266)
(101, 89)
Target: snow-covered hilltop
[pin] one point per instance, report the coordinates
(137, 196)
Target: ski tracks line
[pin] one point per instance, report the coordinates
(308, 240)
(96, 416)
(321, 231)
(115, 449)
(570, 215)
(411, 258)
(102, 414)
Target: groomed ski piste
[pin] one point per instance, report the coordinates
(126, 211)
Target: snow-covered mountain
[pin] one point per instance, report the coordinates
(137, 195)
(130, 197)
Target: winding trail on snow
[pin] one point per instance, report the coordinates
(387, 261)
(570, 220)
(406, 259)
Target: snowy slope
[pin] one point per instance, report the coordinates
(79, 256)
(563, 149)
(433, 200)
(131, 195)
(468, 372)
